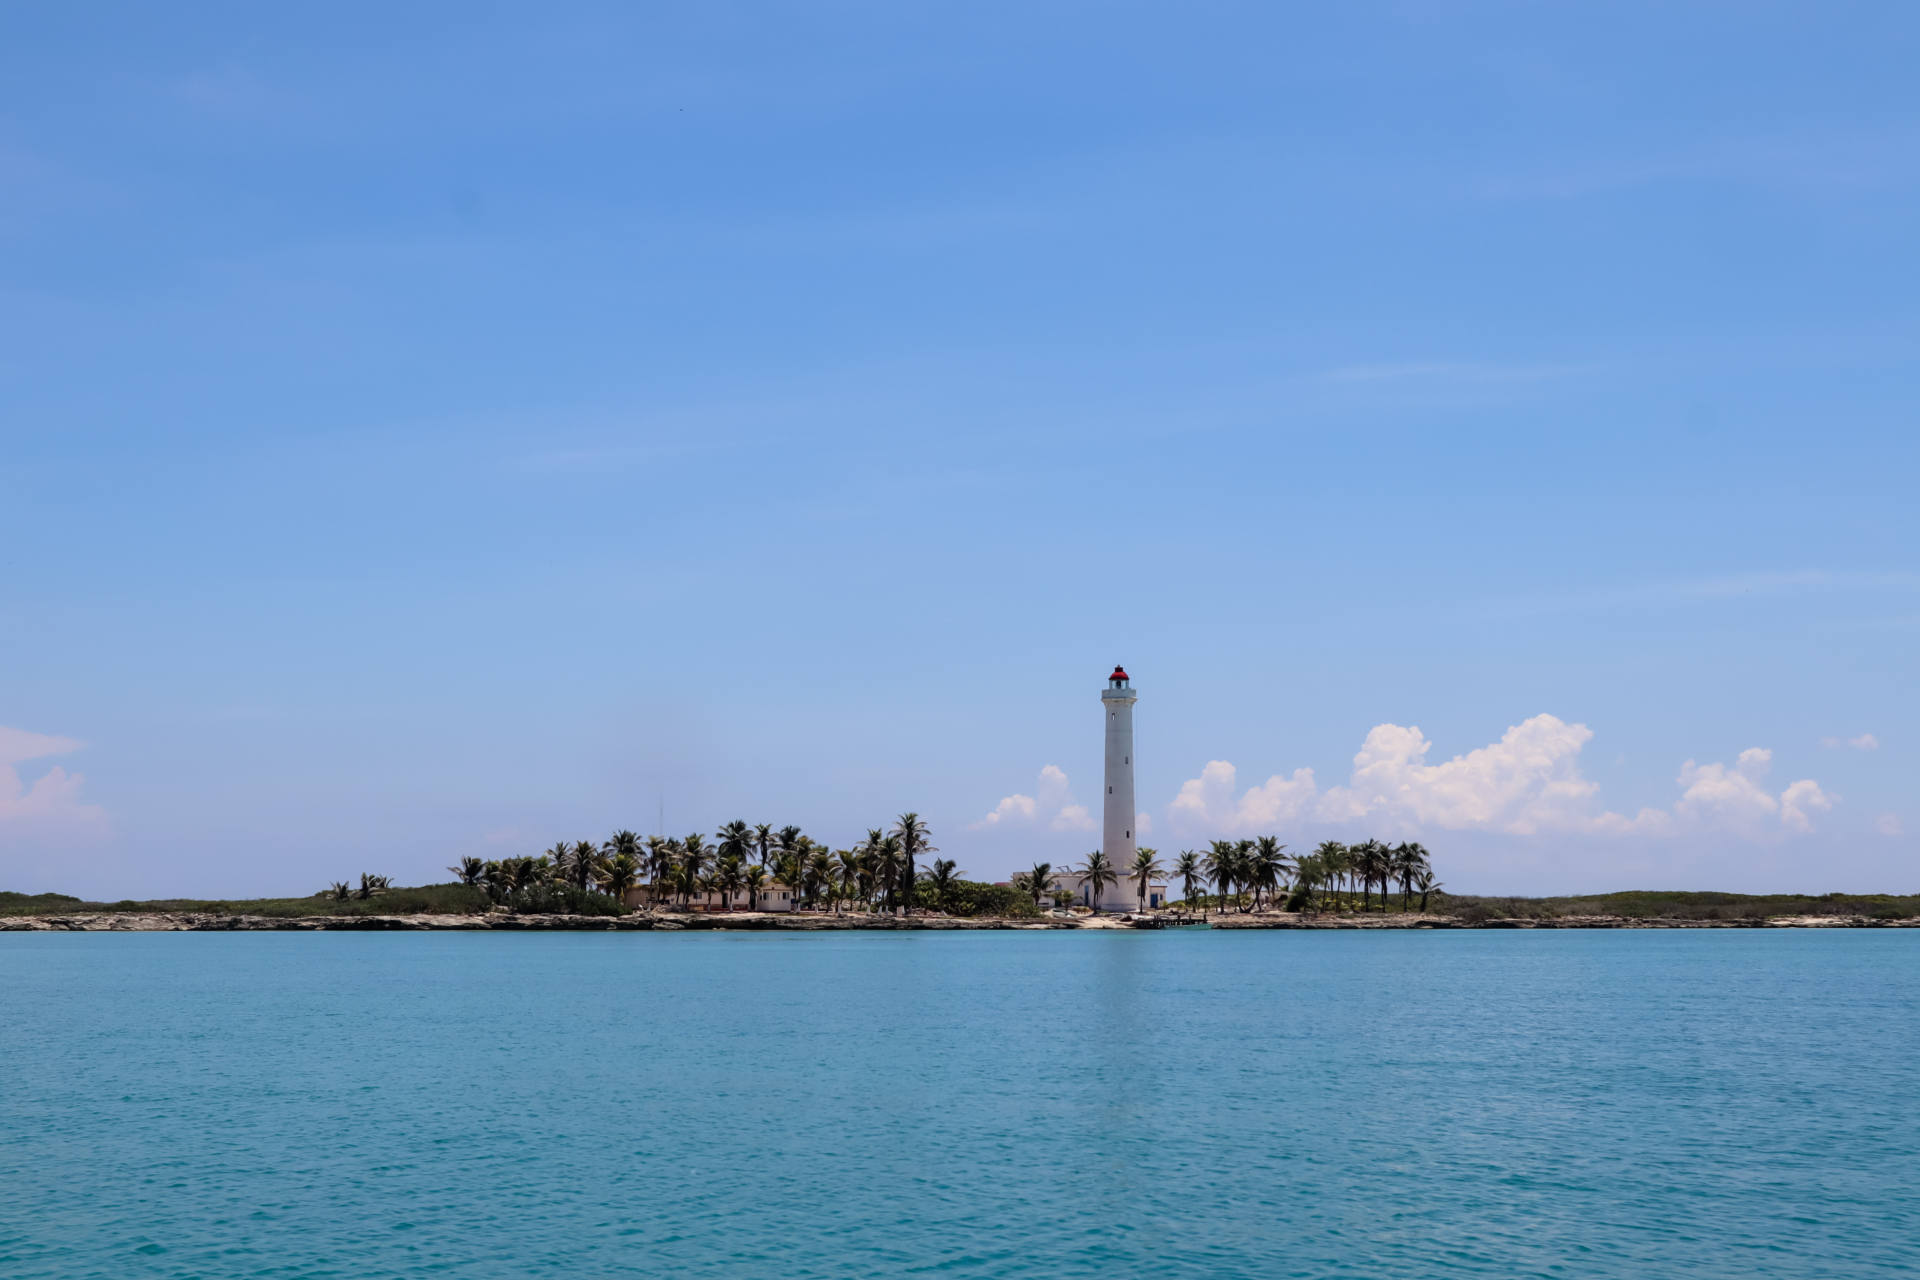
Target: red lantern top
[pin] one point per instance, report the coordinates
(1119, 673)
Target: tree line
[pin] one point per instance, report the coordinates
(1249, 873)
(880, 873)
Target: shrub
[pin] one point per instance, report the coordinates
(562, 900)
(974, 898)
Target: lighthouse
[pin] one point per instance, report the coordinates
(1116, 835)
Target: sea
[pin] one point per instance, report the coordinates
(1725, 1103)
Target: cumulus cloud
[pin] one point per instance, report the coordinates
(1797, 799)
(1051, 803)
(1728, 796)
(1208, 801)
(53, 799)
(1073, 817)
(1527, 783)
(1864, 742)
(1736, 799)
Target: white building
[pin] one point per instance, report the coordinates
(1124, 896)
(773, 896)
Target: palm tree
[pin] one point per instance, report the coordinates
(867, 858)
(1332, 861)
(470, 870)
(1360, 867)
(622, 842)
(1425, 884)
(1222, 866)
(939, 878)
(729, 874)
(1187, 867)
(1377, 865)
(913, 835)
(498, 878)
(694, 858)
(786, 871)
(585, 862)
(1038, 880)
(736, 840)
(1308, 876)
(1243, 860)
(755, 880)
(845, 875)
(1409, 860)
(762, 839)
(526, 873)
(687, 880)
(816, 874)
(883, 852)
(340, 891)
(1266, 864)
(620, 872)
(661, 855)
(1146, 865)
(787, 840)
(1097, 872)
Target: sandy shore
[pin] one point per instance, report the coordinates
(123, 922)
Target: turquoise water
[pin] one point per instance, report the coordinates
(1188, 1104)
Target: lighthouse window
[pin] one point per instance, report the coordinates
(1109, 790)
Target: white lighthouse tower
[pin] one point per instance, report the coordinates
(1116, 834)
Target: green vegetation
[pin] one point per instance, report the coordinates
(34, 904)
(1644, 904)
(1041, 885)
(744, 865)
(1250, 874)
(1098, 872)
(1145, 870)
(432, 899)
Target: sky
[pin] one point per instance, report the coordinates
(439, 430)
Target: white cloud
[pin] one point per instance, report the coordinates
(1735, 799)
(1073, 817)
(1797, 799)
(1888, 824)
(1864, 742)
(1728, 796)
(1208, 803)
(1142, 825)
(1527, 783)
(54, 797)
(1052, 803)
(1010, 809)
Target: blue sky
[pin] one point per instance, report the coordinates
(442, 430)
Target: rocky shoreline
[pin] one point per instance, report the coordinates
(677, 922)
